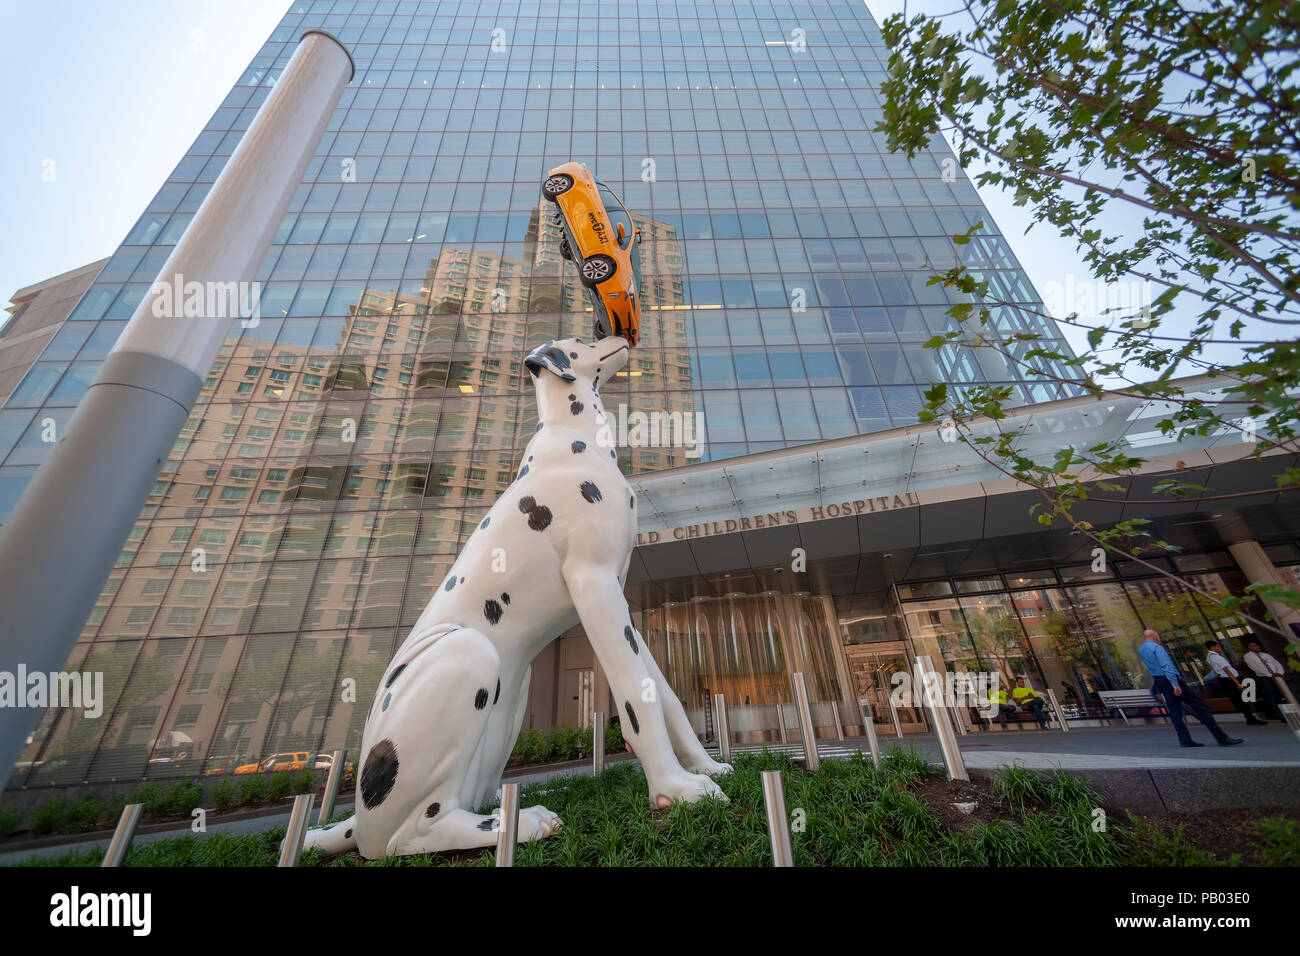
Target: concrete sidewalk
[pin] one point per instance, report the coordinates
(1143, 767)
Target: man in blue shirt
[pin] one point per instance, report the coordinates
(1168, 683)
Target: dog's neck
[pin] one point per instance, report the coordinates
(555, 409)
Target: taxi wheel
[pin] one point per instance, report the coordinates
(565, 251)
(597, 269)
(556, 185)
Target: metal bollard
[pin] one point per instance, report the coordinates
(952, 758)
(1292, 714)
(332, 781)
(724, 727)
(508, 826)
(598, 742)
(778, 824)
(869, 723)
(893, 712)
(1286, 690)
(780, 720)
(296, 832)
(811, 758)
(1056, 709)
(121, 841)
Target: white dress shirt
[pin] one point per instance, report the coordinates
(1221, 666)
(1262, 663)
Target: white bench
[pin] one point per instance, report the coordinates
(1120, 700)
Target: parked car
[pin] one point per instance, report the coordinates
(601, 240)
(296, 760)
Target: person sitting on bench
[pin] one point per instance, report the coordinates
(1027, 698)
(998, 697)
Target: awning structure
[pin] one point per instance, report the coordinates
(936, 507)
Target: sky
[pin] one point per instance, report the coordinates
(111, 93)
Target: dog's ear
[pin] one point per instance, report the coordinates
(550, 357)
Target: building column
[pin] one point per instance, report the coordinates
(1254, 563)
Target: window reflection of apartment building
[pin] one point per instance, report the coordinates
(327, 477)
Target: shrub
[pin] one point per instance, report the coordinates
(278, 786)
(252, 789)
(182, 798)
(85, 813)
(48, 817)
(302, 781)
(614, 738)
(10, 819)
(1279, 843)
(224, 795)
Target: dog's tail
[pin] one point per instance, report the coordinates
(333, 839)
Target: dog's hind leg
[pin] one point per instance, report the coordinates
(499, 739)
(421, 739)
(422, 743)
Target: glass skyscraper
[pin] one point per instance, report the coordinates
(345, 446)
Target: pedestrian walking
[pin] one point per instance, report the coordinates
(1169, 684)
(1227, 681)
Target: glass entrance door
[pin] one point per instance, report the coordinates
(871, 667)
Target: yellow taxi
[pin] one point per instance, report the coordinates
(600, 238)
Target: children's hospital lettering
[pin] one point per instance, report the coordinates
(774, 519)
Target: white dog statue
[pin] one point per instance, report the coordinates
(553, 551)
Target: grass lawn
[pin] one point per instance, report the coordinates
(847, 814)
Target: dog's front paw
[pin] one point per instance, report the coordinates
(710, 767)
(536, 823)
(684, 788)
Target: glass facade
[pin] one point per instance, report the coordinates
(344, 447)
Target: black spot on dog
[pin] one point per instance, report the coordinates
(631, 716)
(488, 824)
(589, 491)
(530, 457)
(539, 426)
(480, 699)
(462, 580)
(348, 835)
(492, 611)
(576, 407)
(387, 699)
(573, 355)
(539, 516)
(379, 774)
(631, 639)
(572, 396)
(451, 583)
(578, 446)
(631, 502)
(497, 696)
(613, 455)
(393, 676)
(523, 471)
(484, 523)
(432, 809)
(505, 598)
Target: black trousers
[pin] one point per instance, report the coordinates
(1175, 703)
(1228, 688)
(1036, 705)
(1269, 694)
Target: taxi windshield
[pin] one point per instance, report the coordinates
(618, 215)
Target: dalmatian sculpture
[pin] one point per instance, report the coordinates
(553, 551)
